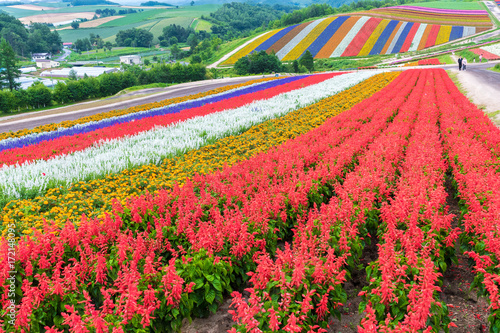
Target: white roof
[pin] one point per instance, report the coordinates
(80, 71)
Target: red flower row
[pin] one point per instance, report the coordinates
(473, 148)
(298, 290)
(417, 240)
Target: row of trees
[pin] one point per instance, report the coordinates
(261, 62)
(104, 85)
(37, 39)
(134, 37)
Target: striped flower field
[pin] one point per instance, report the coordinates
(476, 18)
(345, 36)
(143, 219)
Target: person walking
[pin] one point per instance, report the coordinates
(460, 63)
(464, 64)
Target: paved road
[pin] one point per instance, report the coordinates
(23, 122)
(66, 54)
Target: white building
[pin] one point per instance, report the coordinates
(39, 56)
(131, 59)
(27, 81)
(46, 63)
(80, 71)
(25, 70)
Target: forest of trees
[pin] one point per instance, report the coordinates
(134, 37)
(235, 19)
(37, 39)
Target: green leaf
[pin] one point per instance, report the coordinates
(217, 285)
(210, 277)
(210, 296)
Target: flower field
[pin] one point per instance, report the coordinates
(490, 52)
(368, 34)
(476, 18)
(277, 187)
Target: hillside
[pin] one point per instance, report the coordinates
(380, 31)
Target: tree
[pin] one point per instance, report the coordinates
(176, 51)
(108, 46)
(75, 25)
(72, 75)
(307, 61)
(192, 41)
(295, 66)
(192, 3)
(9, 71)
(38, 95)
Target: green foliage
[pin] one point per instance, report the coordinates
(154, 3)
(37, 39)
(307, 61)
(90, 2)
(236, 19)
(134, 37)
(76, 90)
(9, 72)
(258, 62)
(75, 25)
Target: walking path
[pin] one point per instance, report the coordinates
(482, 87)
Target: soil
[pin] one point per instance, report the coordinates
(56, 18)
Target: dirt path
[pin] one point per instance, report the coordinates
(482, 87)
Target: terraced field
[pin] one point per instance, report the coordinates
(362, 35)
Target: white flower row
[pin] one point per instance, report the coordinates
(152, 146)
(297, 39)
(495, 48)
(418, 37)
(396, 38)
(349, 37)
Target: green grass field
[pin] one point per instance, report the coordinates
(449, 5)
(194, 11)
(202, 25)
(157, 29)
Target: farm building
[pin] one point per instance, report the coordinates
(40, 56)
(46, 63)
(26, 82)
(131, 59)
(80, 71)
(25, 70)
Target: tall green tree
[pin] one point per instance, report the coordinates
(307, 60)
(9, 72)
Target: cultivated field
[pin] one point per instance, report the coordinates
(56, 18)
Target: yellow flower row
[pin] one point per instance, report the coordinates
(300, 48)
(120, 112)
(443, 34)
(94, 198)
(249, 48)
(370, 43)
